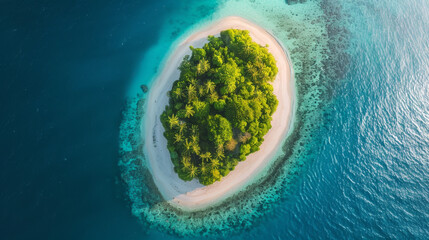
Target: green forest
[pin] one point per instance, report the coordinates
(220, 108)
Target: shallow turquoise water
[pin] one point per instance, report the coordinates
(355, 166)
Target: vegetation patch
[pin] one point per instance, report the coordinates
(220, 108)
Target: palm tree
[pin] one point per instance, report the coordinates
(193, 81)
(178, 93)
(188, 145)
(173, 120)
(216, 174)
(213, 97)
(186, 161)
(206, 156)
(193, 171)
(214, 163)
(210, 86)
(248, 48)
(199, 68)
(191, 92)
(205, 65)
(189, 111)
(203, 168)
(253, 72)
(259, 65)
(194, 129)
(194, 138)
(182, 126)
(178, 137)
(220, 152)
(200, 91)
(196, 148)
(257, 57)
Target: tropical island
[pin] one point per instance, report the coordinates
(239, 140)
(221, 106)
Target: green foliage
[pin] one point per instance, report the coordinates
(220, 130)
(221, 106)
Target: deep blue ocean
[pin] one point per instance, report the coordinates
(356, 165)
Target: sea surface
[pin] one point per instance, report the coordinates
(355, 164)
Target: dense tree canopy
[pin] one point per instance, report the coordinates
(221, 106)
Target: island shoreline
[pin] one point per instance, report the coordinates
(192, 195)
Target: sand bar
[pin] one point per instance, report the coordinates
(192, 195)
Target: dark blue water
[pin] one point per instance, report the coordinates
(66, 69)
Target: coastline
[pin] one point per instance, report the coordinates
(192, 195)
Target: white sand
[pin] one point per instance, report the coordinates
(193, 195)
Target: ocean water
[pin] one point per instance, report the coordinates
(355, 165)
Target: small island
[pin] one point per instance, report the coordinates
(220, 108)
(245, 111)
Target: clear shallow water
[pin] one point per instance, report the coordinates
(358, 159)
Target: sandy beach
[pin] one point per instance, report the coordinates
(193, 195)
